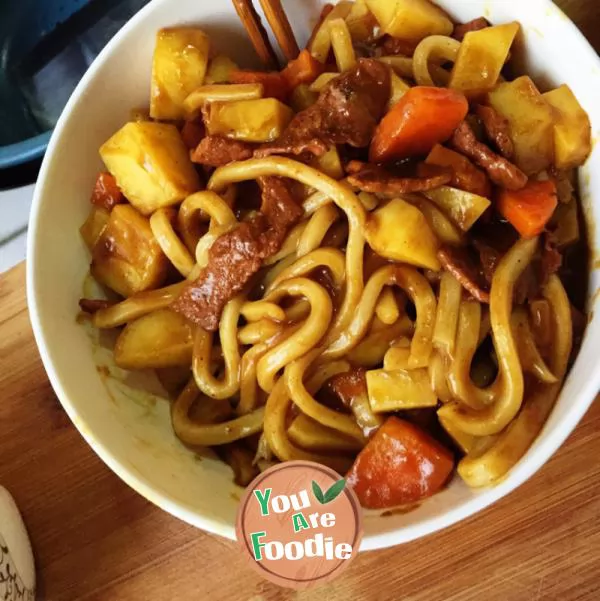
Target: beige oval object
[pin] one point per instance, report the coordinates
(298, 525)
(16, 556)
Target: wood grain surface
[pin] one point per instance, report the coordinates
(96, 539)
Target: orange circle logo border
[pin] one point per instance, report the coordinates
(294, 480)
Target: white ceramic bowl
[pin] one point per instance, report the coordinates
(134, 437)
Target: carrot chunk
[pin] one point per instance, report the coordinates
(274, 84)
(401, 464)
(422, 118)
(304, 69)
(106, 193)
(529, 209)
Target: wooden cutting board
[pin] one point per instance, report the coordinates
(96, 539)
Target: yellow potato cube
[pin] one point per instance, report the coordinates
(441, 225)
(260, 120)
(302, 97)
(219, 70)
(398, 88)
(531, 121)
(220, 93)
(410, 19)
(93, 226)
(361, 21)
(330, 164)
(178, 68)
(481, 57)
(310, 434)
(572, 128)
(464, 208)
(151, 164)
(126, 257)
(399, 389)
(400, 232)
(160, 339)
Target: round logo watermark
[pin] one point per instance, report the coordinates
(299, 524)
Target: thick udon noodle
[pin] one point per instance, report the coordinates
(297, 336)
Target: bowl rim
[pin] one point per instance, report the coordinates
(516, 477)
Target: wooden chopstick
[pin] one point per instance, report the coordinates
(257, 33)
(281, 28)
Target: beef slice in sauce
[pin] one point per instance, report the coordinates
(216, 151)
(238, 254)
(377, 180)
(347, 112)
(501, 171)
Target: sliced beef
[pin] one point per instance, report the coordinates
(91, 305)
(460, 31)
(232, 260)
(547, 262)
(489, 257)
(349, 385)
(280, 210)
(461, 263)
(238, 254)
(346, 112)
(215, 151)
(502, 172)
(377, 180)
(497, 130)
(551, 260)
(395, 46)
(192, 132)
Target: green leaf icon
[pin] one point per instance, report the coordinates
(334, 491)
(331, 494)
(318, 493)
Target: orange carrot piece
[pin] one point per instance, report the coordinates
(423, 117)
(274, 84)
(106, 192)
(401, 464)
(304, 69)
(529, 209)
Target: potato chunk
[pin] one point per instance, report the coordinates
(410, 19)
(464, 208)
(260, 120)
(572, 128)
(219, 70)
(400, 232)
(162, 338)
(531, 122)
(178, 68)
(398, 87)
(151, 165)
(126, 257)
(361, 22)
(399, 389)
(330, 163)
(93, 226)
(441, 225)
(310, 434)
(481, 57)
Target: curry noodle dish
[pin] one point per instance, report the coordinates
(372, 257)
